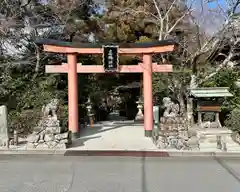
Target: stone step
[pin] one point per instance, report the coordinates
(233, 150)
(210, 150)
(208, 145)
(232, 145)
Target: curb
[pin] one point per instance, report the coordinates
(149, 153)
(116, 153)
(203, 154)
(126, 153)
(32, 152)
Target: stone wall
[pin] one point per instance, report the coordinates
(173, 134)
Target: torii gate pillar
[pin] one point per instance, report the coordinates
(147, 95)
(73, 95)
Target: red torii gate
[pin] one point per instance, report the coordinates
(73, 68)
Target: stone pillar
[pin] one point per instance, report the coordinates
(4, 132)
(147, 92)
(73, 95)
(217, 119)
(199, 118)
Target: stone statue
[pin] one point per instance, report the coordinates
(48, 133)
(173, 132)
(172, 109)
(50, 108)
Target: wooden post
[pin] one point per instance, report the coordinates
(73, 96)
(147, 91)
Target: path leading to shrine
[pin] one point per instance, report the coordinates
(119, 174)
(114, 135)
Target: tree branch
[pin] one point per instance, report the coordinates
(157, 8)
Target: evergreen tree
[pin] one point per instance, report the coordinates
(151, 20)
(24, 86)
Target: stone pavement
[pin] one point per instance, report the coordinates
(118, 174)
(114, 136)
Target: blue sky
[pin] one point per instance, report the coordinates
(222, 3)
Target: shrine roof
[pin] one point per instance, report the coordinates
(210, 92)
(99, 45)
(132, 85)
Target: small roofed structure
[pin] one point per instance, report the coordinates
(133, 85)
(210, 99)
(211, 92)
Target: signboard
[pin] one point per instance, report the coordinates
(110, 58)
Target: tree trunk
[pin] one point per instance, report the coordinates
(181, 103)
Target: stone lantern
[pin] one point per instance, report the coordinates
(139, 116)
(90, 112)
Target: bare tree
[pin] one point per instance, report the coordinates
(211, 47)
(22, 22)
(199, 49)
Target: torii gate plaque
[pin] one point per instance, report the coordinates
(110, 58)
(72, 68)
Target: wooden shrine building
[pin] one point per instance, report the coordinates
(210, 99)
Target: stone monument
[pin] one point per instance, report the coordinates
(4, 132)
(48, 133)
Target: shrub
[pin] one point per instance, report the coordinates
(233, 120)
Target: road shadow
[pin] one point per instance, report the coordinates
(100, 128)
(88, 133)
(80, 141)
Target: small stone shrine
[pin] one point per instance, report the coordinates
(48, 133)
(209, 101)
(210, 133)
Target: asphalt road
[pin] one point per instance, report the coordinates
(117, 174)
